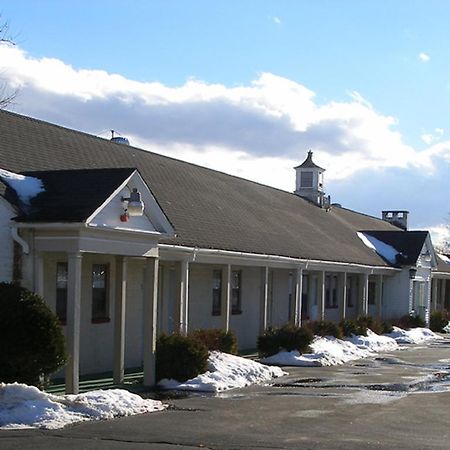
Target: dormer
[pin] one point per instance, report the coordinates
(309, 181)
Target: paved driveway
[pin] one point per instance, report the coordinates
(396, 400)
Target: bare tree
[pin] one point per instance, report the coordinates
(6, 95)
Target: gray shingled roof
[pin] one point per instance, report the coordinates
(208, 209)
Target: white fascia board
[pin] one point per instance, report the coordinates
(194, 253)
(429, 244)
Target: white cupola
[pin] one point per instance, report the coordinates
(309, 181)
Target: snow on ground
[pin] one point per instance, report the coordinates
(386, 251)
(412, 336)
(330, 351)
(23, 406)
(226, 372)
(26, 187)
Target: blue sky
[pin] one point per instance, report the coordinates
(373, 74)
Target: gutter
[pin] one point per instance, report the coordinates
(22, 242)
(304, 263)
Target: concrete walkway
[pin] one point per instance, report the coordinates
(396, 400)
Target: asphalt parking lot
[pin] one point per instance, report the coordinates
(394, 400)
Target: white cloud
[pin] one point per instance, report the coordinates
(276, 20)
(258, 131)
(424, 57)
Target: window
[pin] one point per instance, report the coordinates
(331, 291)
(371, 293)
(217, 293)
(61, 291)
(306, 179)
(351, 286)
(100, 293)
(236, 307)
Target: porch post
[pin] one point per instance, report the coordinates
(184, 296)
(298, 297)
(265, 298)
(321, 295)
(39, 274)
(119, 319)
(150, 317)
(73, 322)
(434, 289)
(343, 295)
(379, 296)
(226, 305)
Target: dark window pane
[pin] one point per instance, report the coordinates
(371, 293)
(99, 292)
(217, 293)
(306, 179)
(236, 307)
(61, 290)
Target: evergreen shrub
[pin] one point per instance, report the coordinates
(350, 326)
(32, 342)
(438, 320)
(387, 327)
(408, 321)
(214, 339)
(325, 328)
(180, 357)
(288, 338)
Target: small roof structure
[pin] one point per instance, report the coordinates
(308, 163)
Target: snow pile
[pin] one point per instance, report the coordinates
(26, 187)
(412, 336)
(330, 351)
(226, 372)
(386, 251)
(23, 406)
(374, 342)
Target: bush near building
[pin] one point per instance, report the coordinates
(214, 339)
(325, 328)
(32, 342)
(406, 322)
(180, 357)
(438, 320)
(286, 338)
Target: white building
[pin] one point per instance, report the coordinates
(208, 250)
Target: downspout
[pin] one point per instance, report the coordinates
(22, 242)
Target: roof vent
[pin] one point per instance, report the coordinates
(399, 218)
(119, 139)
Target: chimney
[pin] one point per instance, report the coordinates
(397, 218)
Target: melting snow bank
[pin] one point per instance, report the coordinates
(226, 372)
(330, 351)
(23, 406)
(412, 336)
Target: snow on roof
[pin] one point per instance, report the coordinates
(26, 187)
(444, 258)
(386, 251)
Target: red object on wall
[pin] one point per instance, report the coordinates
(124, 217)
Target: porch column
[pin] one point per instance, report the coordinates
(434, 292)
(73, 322)
(312, 283)
(184, 296)
(264, 298)
(364, 290)
(321, 296)
(379, 296)
(298, 297)
(226, 305)
(150, 317)
(39, 274)
(119, 319)
(342, 280)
